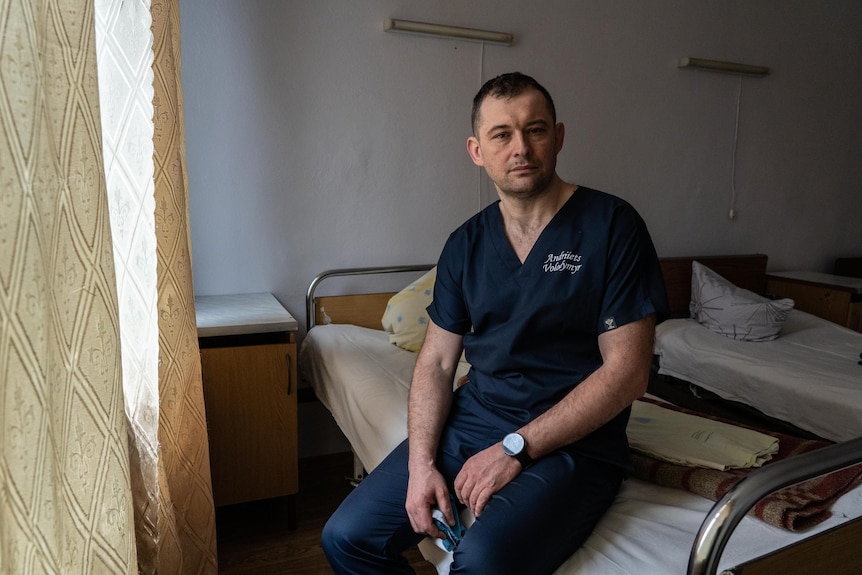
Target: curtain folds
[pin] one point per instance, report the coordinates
(139, 63)
(65, 503)
(124, 55)
(188, 541)
(104, 464)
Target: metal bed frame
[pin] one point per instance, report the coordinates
(309, 295)
(727, 512)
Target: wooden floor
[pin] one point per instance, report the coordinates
(254, 538)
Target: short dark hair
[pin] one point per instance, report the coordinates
(508, 86)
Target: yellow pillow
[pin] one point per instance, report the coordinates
(405, 317)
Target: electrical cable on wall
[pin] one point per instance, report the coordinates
(728, 68)
(458, 33)
(732, 212)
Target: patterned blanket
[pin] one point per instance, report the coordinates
(795, 508)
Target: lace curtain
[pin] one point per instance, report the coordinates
(97, 368)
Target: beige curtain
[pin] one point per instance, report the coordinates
(65, 503)
(70, 502)
(188, 539)
(139, 71)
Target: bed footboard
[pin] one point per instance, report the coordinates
(728, 511)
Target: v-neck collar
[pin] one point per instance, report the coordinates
(504, 248)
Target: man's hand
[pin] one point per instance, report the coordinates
(428, 407)
(426, 489)
(483, 475)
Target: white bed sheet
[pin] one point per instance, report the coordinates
(809, 376)
(363, 380)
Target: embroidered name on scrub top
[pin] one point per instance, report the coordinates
(566, 261)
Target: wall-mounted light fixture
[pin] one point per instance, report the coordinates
(720, 66)
(445, 31)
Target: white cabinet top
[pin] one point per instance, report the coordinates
(241, 314)
(845, 283)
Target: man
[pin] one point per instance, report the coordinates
(553, 292)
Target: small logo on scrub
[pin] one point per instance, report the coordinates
(610, 323)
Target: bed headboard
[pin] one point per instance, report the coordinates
(365, 310)
(747, 271)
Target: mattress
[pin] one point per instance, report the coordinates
(808, 376)
(364, 381)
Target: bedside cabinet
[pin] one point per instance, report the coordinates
(248, 361)
(835, 298)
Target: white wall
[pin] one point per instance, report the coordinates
(315, 140)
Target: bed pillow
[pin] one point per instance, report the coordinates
(405, 317)
(732, 311)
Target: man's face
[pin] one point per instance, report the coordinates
(517, 143)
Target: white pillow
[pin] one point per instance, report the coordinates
(732, 311)
(405, 317)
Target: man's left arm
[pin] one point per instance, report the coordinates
(621, 379)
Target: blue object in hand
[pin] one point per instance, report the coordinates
(453, 533)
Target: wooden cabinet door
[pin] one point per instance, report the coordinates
(250, 395)
(822, 301)
(854, 316)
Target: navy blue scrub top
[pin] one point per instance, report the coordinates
(531, 331)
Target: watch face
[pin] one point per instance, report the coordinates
(513, 444)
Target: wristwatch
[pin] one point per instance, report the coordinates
(515, 446)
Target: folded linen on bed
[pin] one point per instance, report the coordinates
(691, 440)
(795, 508)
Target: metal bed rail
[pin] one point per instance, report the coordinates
(728, 511)
(309, 296)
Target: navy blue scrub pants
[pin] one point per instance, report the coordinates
(532, 525)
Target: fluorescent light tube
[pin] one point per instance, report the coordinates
(719, 66)
(444, 31)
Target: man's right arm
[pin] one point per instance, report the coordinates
(428, 408)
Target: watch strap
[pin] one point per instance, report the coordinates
(523, 458)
